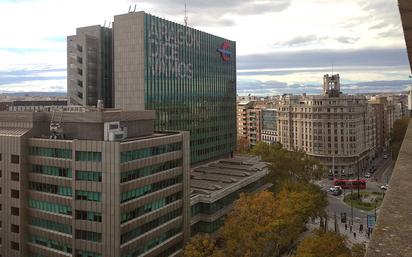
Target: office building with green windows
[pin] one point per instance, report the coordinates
(82, 182)
(187, 76)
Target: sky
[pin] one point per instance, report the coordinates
(283, 46)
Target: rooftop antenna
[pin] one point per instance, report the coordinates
(186, 18)
(104, 24)
(130, 7)
(110, 24)
(134, 10)
(332, 68)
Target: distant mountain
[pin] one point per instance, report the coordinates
(37, 94)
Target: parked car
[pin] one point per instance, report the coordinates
(385, 156)
(367, 175)
(384, 187)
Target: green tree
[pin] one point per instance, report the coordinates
(398, 133)
(287, 165)
(323, 244)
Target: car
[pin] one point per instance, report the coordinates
(385, 156)
(367, 175)
(384, 187)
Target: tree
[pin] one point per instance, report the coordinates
(323, 244)
(242, 145)
(202, 245)
(250, 228)
(398, 133)
(286, 165)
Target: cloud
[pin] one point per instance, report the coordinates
(324, 58)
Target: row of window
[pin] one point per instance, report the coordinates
(66, 172)
(52, 225)
(88, 196)
(149, 170)
(157, 204)
(50, 188)
(89, 215)
(81, 253)
(50, 207)
(50, 243)
(131, 234)
(154, 242)
(51, 170)
(66, 154)
(51, 152)
(137, 192)
(147, 152)
(88, 235)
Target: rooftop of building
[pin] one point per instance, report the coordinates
(214, 179)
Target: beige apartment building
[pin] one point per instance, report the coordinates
(91, 182)
(249, 123)
(337, 129)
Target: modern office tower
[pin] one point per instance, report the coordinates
(249, 123)
(92, 182)
(187, 76)
(332, 127)
(215, 186)
(269, 126)
(89, 66)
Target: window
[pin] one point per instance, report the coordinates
(147, 152)
(50, 207)
(63, 247)
(1, 173)
(88, 156)
(135, 193)
(88, 235)
(149, 170)
(50, 188)
(14, 246)
(14, 228)
(51, 225)
(51, 170)
(81, 253)
(15, 194)
(89, 215)
(0, 156)
(15, 159)
(51, 152)
(15, 176)
(88, 196)
(88, 176)
(15, 211)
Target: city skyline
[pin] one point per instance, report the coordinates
(320, 37)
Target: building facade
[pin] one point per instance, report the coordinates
(217, 185)
(249, 123)
(92, 182)
(333, 127)
(187, 76)
(269, 126)
(89, 67)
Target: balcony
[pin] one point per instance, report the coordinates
(392, 235)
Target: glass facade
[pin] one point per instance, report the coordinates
(80, 253)
(59, 246)
(88, 156)
(88, 196)
(269, 119)
(190, 80)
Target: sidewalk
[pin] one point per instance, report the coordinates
(361, 237)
